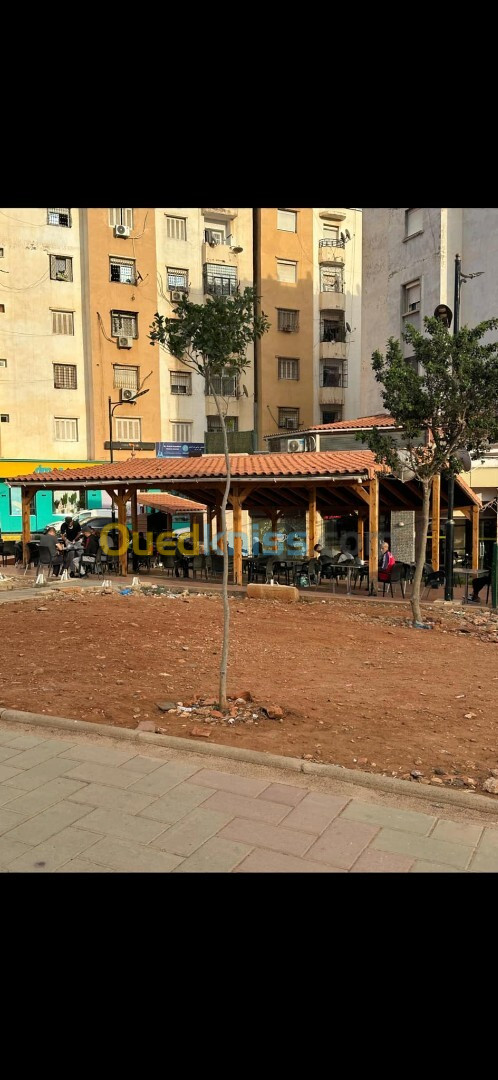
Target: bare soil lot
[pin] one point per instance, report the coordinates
(357, 686)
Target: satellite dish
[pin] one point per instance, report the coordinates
(343, 238)
(348, 234)
(348, 328)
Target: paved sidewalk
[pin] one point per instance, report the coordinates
(77, 804)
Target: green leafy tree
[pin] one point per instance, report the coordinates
(452, 405)
(211, 338)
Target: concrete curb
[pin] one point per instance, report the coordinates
(464, 799)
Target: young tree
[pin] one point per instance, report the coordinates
(212, 338)
(452, 405)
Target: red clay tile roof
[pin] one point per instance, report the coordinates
(211, 466)
(171, 504)
(382, 420)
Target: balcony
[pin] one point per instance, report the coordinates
(225, 386)
(333, 381)
(331, 252)
(332, 297)
(221, 254)
(331, 395)
(220, 213)
(220, 279)
(333, 350)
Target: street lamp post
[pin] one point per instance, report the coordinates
(112, 406)
(450, 521)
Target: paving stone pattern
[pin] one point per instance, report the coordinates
(68, 806)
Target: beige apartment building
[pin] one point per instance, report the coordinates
(309, 278)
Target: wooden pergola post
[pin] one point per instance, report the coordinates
(361, 536)
(475, 537)
(312, 521)
(373, 527)
(436, 520)
(237, 537)
(274, 529)
(27, 495)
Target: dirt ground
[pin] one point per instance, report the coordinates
(358, 687)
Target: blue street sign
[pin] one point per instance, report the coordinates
(177, 449)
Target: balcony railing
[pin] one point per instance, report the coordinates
(224, 386)
(330, 377)
(332, 243)
(332, 286)
(217, 285)
(332, 334)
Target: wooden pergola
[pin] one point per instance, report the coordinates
(329, 482)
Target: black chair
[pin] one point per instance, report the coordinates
(32, 555)
(434, 580)
(45, 559)
(396, 577)
(199, 566)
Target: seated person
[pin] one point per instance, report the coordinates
(387, 562)
(48, 542)
(478, 584)
(324, 560)
(181, 561)
(89, 553)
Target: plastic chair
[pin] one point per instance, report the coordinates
(396, 577)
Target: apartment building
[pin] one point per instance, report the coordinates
(408, 270)
(309, 278)
(202, 252)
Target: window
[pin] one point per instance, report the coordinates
(1, 253)
(331, 416)
(331, 232)
(61, 268)
(59, 215)
(3, 363)
(65, 377)
(181, 382)
(214, 423)
(332, 330)
(124, 324)
(122, 270)
(411, 298)
(65, 430)
(176, 228)
(121, 217)
(331, 280)
(2, 308)
(215, 233)
(287, 271)
(62, 322)
(177, 279)
(414, 221)
(289, 419)
(225, 385)
(220, 280)
(125, 377)
(181, 433)
(288, 369)
(4, 418)
(288, 320)
(126, 430)
(287, 220)
(15, 502)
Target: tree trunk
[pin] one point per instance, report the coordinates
(226, 607)
(417, 581)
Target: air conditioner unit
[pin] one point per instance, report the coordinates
(121, 230)
(127, 395)
(125, 342)
(294, 446)
(177, 295)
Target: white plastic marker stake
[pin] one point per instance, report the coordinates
(40, 580)
(64, 576)
(135, 583)
(106, 584)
